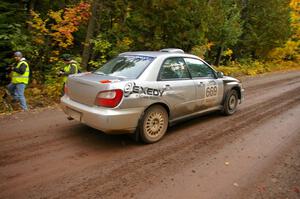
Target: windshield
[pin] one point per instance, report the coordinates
(125, 66)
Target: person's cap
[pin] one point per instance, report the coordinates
(66, 57)
(18, 54)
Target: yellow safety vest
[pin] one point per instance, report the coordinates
(17, 78)
(67, 70)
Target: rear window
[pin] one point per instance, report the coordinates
(125, 66)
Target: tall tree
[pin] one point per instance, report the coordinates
(165, 23)
(86, 54)
(225, 26)
(12, 21)
(266, 26)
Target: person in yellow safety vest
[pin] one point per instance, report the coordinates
(19, 80)
(70, 68)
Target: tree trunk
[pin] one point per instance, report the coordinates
(244, 12)
(219, 55)
(32, 4)
(89, 35)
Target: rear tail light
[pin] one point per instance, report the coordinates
(109, 98)
(105, 81)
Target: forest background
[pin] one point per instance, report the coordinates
(238, 37)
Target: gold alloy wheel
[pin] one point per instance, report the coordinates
(154, 124)
(232, 102)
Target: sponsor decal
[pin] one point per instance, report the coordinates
(131, 88)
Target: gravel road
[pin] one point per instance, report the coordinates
(254, 153)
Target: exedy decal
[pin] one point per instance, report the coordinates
(131, 88)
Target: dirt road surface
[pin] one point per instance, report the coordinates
(253, 154)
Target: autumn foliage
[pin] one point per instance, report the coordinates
(56, 30)
(291, 49)
(242, 37)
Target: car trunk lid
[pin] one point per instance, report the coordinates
(83, 88)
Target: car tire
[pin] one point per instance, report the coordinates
(153, 124)
(230, 103)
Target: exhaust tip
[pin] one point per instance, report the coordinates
(70, 118)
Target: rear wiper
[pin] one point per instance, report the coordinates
(121, 77)
(99, 73)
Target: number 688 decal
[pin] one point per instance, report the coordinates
(211, 91)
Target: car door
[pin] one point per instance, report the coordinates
(209, 88)
(179, 88)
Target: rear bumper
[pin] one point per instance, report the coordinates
(111, 121)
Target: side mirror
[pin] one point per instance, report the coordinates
(220, 74)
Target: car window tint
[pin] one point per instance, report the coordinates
(198, 68)
(174, 68)
(125, 66)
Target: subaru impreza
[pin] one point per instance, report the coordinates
(144, 92)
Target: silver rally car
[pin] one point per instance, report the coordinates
(144, 92)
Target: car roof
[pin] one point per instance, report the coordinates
(156, 54)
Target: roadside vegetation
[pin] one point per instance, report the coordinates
(237, 37)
